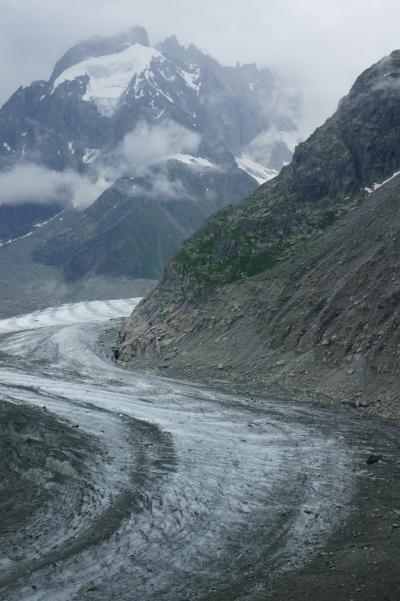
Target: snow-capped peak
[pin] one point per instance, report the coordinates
(110, 75)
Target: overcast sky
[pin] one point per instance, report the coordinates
(318, 46)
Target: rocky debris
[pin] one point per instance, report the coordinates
(374, 459)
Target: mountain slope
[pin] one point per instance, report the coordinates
(136, 226)
(306, 265)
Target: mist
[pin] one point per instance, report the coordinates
(31, 183)
(140, 149)
(147, 145)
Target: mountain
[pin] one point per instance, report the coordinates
(118, 110)
(303, 274)
(101, 89)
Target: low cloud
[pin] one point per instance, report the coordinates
(145, 146)
(271, 147)
(387, 82)
(31, 183)
(163, 187)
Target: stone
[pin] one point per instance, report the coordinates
(374, 459)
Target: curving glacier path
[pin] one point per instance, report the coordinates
(155, 489)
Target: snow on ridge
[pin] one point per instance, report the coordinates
(36, 227)
(376, 186)
(191, 78)
(90, 155)
(258, 172)
(188, 159)
(110, 75)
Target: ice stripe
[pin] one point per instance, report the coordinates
(83, 312)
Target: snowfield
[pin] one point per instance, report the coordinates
(109, 76)
(255, 170)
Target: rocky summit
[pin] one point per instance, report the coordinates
(297, 286)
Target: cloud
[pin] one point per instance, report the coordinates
(164, 187)
(31, 183)
(387, 81)
(270, 147)
(147, 145)
(150, 145)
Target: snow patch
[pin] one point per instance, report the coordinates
(109, 76)
(158, 91)
(160, 114)
(7, 146)
(191, 78)
(138, 88)
(90, 155)
(36, 226)
(376, 186)
(258, 172)
(7, 242)
(188, 159)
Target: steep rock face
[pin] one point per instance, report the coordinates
(308, 263)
